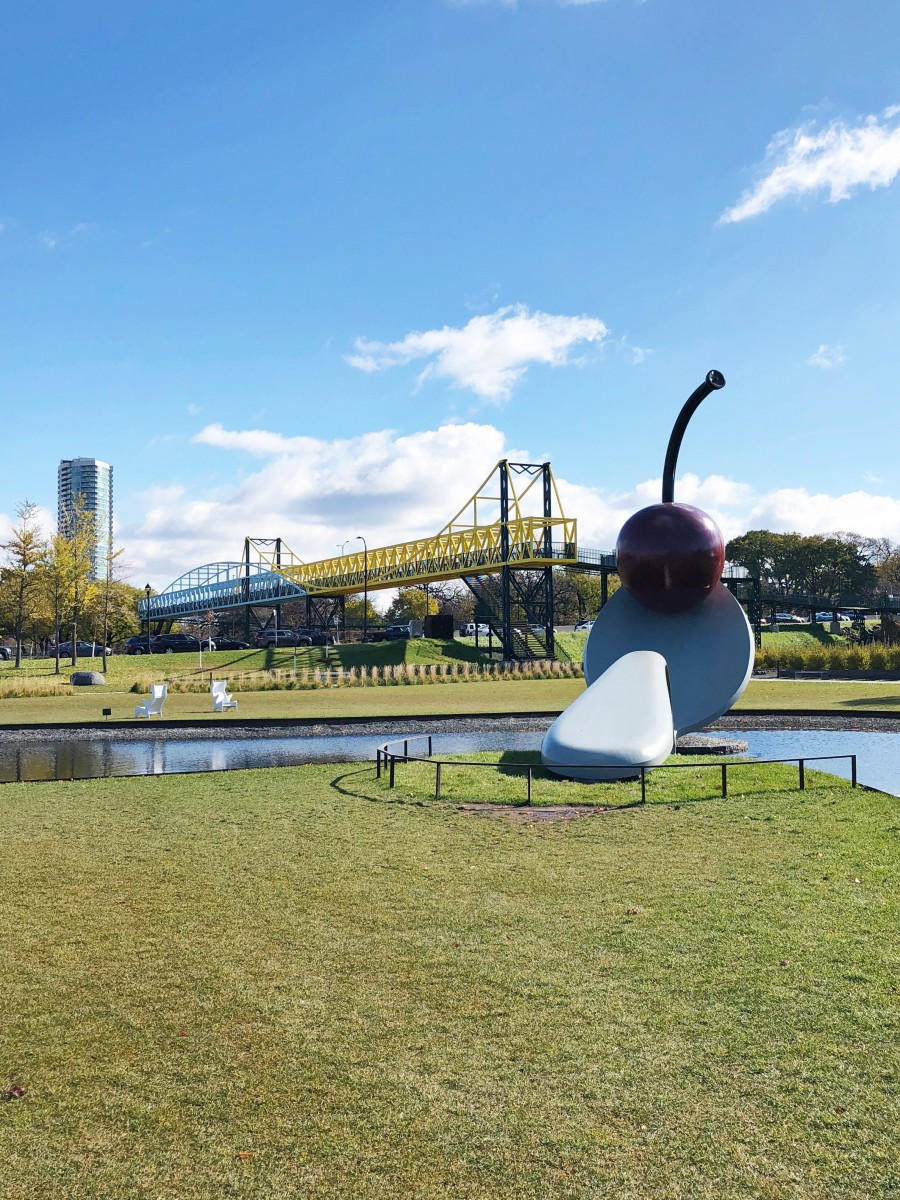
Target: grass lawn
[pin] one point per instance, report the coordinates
(122, 669)
(390, 700)
(537, 695)
(296, 984)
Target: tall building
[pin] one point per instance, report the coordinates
(92, 479)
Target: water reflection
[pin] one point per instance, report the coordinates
(83, 758)
(50, 759)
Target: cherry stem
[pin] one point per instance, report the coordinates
(713, 381)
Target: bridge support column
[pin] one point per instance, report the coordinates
(549, 646)
(505, 612)
(245, 589)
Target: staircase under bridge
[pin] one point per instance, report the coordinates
(503, 543)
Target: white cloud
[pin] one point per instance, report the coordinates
(826, 357)
(316, 494)
(837, 160)
(488, 355)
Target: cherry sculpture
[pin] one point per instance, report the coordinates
(670, 556)
(669, 652)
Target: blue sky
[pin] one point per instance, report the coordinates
(309, 269)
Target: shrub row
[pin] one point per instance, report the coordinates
(401, 674)
(830, 658)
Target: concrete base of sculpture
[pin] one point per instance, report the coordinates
(622, 721)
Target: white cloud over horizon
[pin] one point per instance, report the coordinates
(488, 355)
(315, 494)
(838, 160)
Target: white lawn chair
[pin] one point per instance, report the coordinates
(153, 707)
(220, 697)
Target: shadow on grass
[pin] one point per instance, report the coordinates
(867, 702)
(339, 784)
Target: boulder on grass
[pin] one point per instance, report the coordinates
(86, 679)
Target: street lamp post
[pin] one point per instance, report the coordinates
(147, 590)
(360, 538)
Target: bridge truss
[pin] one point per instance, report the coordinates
(503, 543)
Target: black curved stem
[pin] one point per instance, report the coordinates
(713, 381)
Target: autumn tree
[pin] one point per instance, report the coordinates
(25, 554)
(77, 559)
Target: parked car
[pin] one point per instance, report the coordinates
(394, 633)
(266, 638)
(224, 643)
(790, 619)
(584, 626)
(85, 650)
(175, 643)
(139, 643)
(4, 653)
(473, 630)
(823, 616)
(316, 636)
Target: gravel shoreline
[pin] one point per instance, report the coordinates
(396, 727)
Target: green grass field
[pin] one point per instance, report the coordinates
(123, 668)
(295, 983)
(537, 695)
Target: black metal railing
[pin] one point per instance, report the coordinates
(387, 758)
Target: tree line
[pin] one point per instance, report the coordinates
(49, 585)
(825, 566)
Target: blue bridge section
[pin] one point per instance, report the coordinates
(217, 586)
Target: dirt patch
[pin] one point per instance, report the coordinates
(524, 815)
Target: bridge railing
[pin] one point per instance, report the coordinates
(478, 549)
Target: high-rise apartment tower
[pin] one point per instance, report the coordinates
(92, 479)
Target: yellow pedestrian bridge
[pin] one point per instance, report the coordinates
(513, 524)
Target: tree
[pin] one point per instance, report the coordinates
(577, 594)
(412, 604)
(104, 592)
(56, 585)
(820, 566)
(26, 553)
(353, 612)
(79, 532)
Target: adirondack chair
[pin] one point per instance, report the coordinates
(154, 706)
(221, 698)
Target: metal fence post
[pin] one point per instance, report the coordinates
(724, 780)
(529, 785)
(391, 773)
(802, 765)
(405, 748)
(430, 751)
(437, 781)
(853, 770)
(378, 763)
(643, 785)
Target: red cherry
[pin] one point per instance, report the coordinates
(670, 556)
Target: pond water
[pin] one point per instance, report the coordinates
(32, 759)
(45, 759)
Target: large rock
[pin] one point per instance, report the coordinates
(87, 679)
